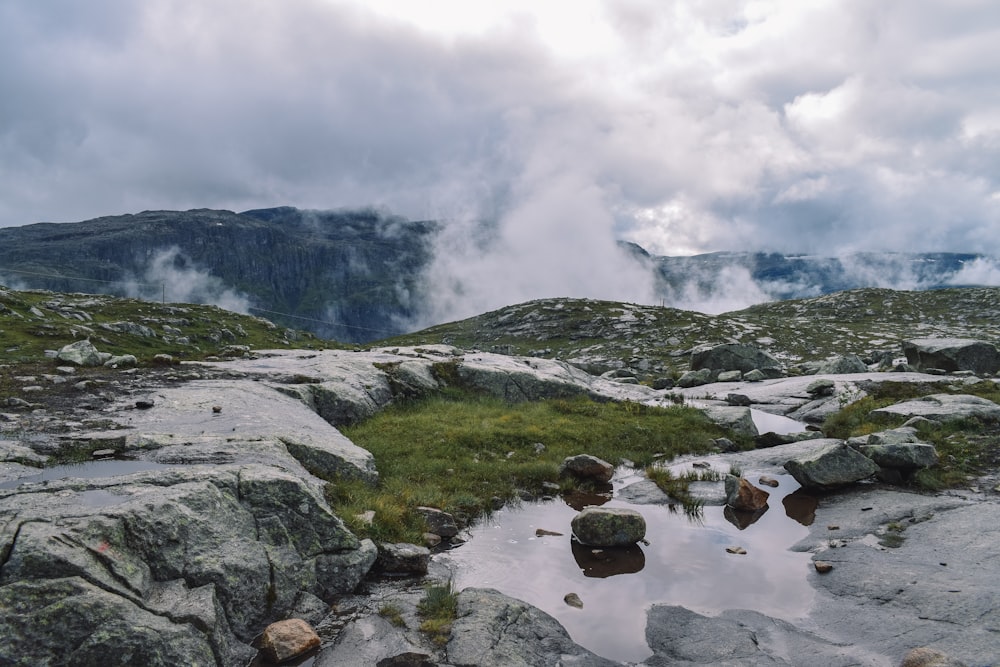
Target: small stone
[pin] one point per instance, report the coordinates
(541, 532)
(701, 464)
(431, 540)
(742, 495)
(739, 551)
(573, 600)
(144, 404)
(767, 481)
(822, 566)
(103, 453)
(366, 518)
(833, 527)
(287, 639)
(216, 409)
(929, 657)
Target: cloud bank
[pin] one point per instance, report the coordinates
(685, 127)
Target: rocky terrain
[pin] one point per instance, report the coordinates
(208, 441)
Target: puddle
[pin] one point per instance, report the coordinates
(685, 563)
(89, 470)
(769, 423)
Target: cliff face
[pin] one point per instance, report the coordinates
(351, 276)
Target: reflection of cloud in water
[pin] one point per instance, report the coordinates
(685, 564)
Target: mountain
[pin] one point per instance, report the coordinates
(359, 275)
(346, 275)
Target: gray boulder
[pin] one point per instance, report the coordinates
(830, 465)
(842, 365)
(942, 407)
(80, 353)
(737, 419)
(402, 559)
(493, 630)
(585, 466)
(735, 357)
(952, 354)
(694, 378)
(902, 456)
(608, 527)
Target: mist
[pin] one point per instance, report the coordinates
(172, 277)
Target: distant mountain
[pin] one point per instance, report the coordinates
(346, 275)
(359, 275)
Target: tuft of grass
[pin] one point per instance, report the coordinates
(459, 452)
(893, 536)
(393, 614)
(438, 609)
(678, 486)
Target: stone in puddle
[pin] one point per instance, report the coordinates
(573, 600)
(585, 466)
(768, 481)
(739, 551)
(608, 527)
(287, 639)
(742, 495)
(822, 566)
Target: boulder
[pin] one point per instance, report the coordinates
(608, 527)
(736, 419)
(842, 365)
(439, 522)
(284, 640)
(901, 456)
(585, 466)
(942, 408)
(831, 465)
(743, 496)
(952, 354)
(81, 353)
(735, 357)
(694, 378)
(402, 559)
(821, 387)
(493, 630)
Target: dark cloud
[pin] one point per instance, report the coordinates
(821, 126)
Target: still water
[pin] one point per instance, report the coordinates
(685, 563)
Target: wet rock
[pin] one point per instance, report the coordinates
(943, 408)
(952, 354)
(768, 481)
(744, 496)
(439, 522)
(288, 639)
(81, 353)
(608, 527)
(585, 466)
(402, 559)
(929, 657)
(822, 566)
(830, 466)
(493, 630)
(738, 551)
(573, 600)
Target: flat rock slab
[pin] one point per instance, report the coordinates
(943, 407)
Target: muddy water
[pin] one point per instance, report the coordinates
(685, 563)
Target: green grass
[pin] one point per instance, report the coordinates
(393, 614)
(463, 454)
(438, 609)
(678, 486)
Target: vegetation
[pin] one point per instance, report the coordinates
(965, 447)
(438, 609)
(467, 454)
(393, 614)
(678, 486)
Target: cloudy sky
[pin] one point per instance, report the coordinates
(684, 125)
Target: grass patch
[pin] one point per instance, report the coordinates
(393, 614)
(438, 609)
(893, 536)
(678, 486)
(464, 455)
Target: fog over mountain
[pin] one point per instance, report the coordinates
(826, 127)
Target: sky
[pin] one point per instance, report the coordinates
(686, 126)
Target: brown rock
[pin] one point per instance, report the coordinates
(929, 657)
(739, 551)
(767, 481)
(573, 600)
(742, 495)
(585, 466)
(541, 532)
(822, 566)
(287, 639)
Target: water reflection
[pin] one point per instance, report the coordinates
(743, 519)
(801, 506)
(581, 499)
(684, 563)
(608, 561)
(89, 470)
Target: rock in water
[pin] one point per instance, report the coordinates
(585, 466)
(608, 527)
(287, 639)
(830, 466)
(744, 496)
